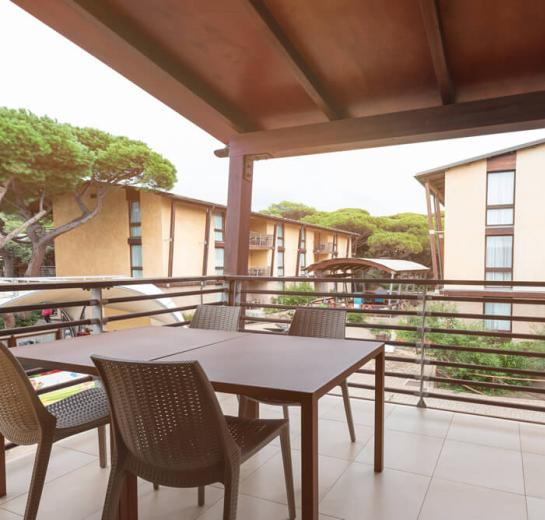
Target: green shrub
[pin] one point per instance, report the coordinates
(287, 299)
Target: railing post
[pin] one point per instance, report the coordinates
(202, 289)
(422, 344)
(97, 311)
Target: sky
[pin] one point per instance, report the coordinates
(47, 74)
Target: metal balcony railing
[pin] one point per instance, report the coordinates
(326, 247)
(261, 241)
(264, 270)
(440, 349)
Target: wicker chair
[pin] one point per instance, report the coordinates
(169, 429)
(25, 420)
(216, 317)
(324, 323)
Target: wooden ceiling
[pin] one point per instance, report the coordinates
(285, 77)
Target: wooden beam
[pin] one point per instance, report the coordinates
(505, 114)
(434, 34)
(239, 203)
(110, 37)
(289, 54)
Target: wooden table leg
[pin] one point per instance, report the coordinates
(309, 459)
(128, 502)
(2, 466)
(379, 412)
(248, 408)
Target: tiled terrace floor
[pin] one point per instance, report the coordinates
(439, 466)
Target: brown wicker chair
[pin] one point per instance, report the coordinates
(324, 323)
(169, 429)
(216, 317)
(25, 420)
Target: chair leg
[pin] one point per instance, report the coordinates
(201, 496)
(286, 411)
(3, 489)
(38, 477)
(102, 447)
(113, 494)
(155, 486)
(288, 470)
(231, 494)
(348, 410)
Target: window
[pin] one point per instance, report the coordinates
(280, 263)
(136, 261)
(302, 238)
(280, 235)
(219, 253)
(499, 253)
(302, 261)
(135, 221)
(219, 228)
(499, 309)
(500, 198)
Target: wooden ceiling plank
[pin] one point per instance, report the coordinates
(99, 12)
(505, 114)
(434, 34)
(285, 49)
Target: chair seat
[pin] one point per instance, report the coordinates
(81, 411)
(252, 434)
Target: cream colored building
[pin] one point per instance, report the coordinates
(494, 221)
(152, 234)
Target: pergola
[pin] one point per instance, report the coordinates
(353, 267)
(277, 78)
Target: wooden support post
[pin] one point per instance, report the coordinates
(239, 204)
(171, 237)
(440, 236)
(206, 246)
(431, 232)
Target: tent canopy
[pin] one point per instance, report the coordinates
(351, 266)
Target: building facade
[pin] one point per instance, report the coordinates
(494, 214)
(149, 234)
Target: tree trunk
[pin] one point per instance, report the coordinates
(38, 255)
(9, 264)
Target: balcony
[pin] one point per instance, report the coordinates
(477, 448)
(439, 465)
(324, 248)
(264, 270)
(261, 241)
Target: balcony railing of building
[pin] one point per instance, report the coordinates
(264, 270)
(261, 241)
(324, 248)
(439, 354)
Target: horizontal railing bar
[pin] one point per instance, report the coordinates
(178, 324)
(485, 350)
(124, 299)
(144, 314)
(484, 384)
(48, 326)
(51, 305)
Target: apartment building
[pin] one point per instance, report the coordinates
(142, 233)
(494, 216)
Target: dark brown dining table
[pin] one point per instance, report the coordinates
(266, 367)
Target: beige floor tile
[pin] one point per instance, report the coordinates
(406, 452)
(536, 508)
(421, 421)
(534, 474)
(6, 515)
(19, 468)
(334, 439)
(77, 495)
(452, 501)
(86, 442)
(363, 412)
(485, 430)
(484, 466)
(268, 481)
(362, 494)
(532, 438)
(252, 508)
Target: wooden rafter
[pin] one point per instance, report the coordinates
(122, 28)
(434, 34)
(488, 116)
(306, 78)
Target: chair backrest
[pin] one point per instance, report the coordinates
(22, 415)
(319, 323)
(216, 317)
(167, 415)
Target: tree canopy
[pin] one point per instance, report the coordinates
(41, 158)
(287, 209)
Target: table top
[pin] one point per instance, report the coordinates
(269, 366)
(138, 344)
